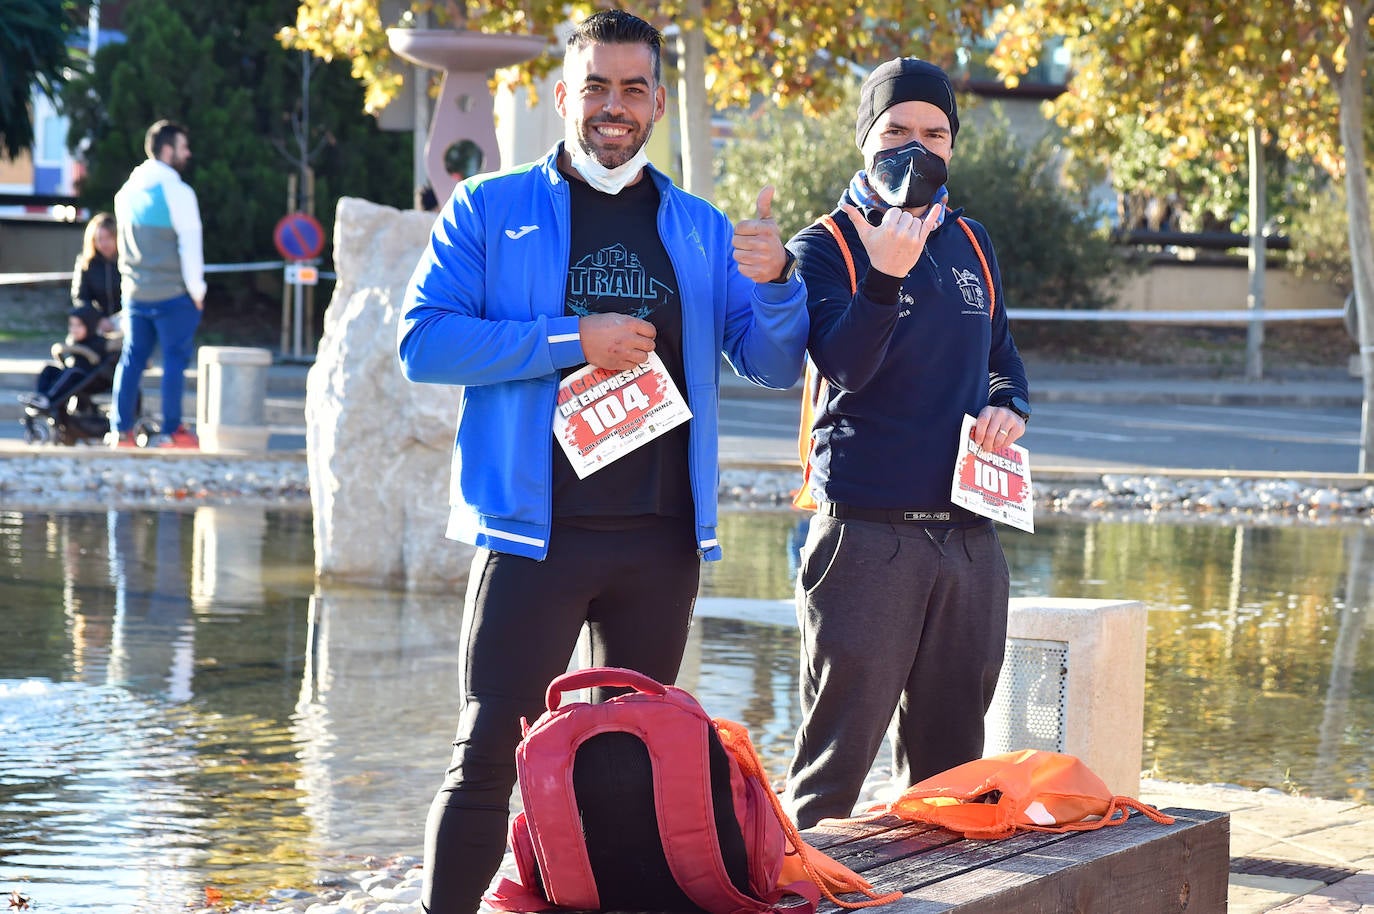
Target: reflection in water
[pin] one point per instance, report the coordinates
(1355, 616)
(1260, 664)
(182, 708)
(144, 758)
(226, 560)
(375, 713)
(154, 643)
(1242, 645)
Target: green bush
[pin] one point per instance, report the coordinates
(1051, 252)
(33, 51)
(808, 160)
(218, 69)
(1320, 237)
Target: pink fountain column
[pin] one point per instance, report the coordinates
(464, 110)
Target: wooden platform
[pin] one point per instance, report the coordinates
(1140, 867)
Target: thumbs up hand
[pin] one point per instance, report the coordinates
(763, 206)
(758, 243)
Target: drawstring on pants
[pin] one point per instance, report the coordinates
(941, 539)
(941, 536)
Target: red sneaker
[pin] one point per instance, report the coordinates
(181, 438)
(120, 439)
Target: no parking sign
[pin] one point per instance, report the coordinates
(298, 236)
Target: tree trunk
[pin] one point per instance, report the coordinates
(1350, 87)
(693, 111)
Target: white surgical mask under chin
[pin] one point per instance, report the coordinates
(606, 180)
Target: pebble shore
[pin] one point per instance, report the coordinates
(95, 479)
(98, 480)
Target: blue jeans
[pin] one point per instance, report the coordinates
(171, 324)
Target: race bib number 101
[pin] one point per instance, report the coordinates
(602, 415)
(995, 484)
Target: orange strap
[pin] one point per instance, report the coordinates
(834, 229)
(987, 273)
(814, 384)
(817, 867)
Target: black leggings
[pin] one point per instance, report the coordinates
(634, 589)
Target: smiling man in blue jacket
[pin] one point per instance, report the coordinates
(588, 257)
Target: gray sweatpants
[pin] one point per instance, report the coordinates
(901, 625)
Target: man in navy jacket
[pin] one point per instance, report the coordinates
(902, 595)
(590, 257)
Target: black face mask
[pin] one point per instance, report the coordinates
(908, 176)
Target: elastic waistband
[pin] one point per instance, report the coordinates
(943, 517)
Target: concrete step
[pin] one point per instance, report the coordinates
(19, 374)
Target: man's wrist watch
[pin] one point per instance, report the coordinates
(1019, 406)
(788, 269)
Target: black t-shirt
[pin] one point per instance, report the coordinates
(617, 263)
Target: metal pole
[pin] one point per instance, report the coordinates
(93, 27)
(303, 136)
(1254, 338)
(420, 138)
(308, 322)
(296, 339)
(286, 287)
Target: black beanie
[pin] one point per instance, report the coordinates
(904, 79)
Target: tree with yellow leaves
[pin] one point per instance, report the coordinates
(783, 54)
(1215, 78)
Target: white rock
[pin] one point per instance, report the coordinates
(1324, 498)
(377, 883)
(379, 447)
(403, 894)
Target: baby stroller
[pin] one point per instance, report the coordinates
(84, 415)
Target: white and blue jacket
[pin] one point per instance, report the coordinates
(485, 309)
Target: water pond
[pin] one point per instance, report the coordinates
(181, 707)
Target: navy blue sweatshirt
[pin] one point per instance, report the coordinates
(904, 361)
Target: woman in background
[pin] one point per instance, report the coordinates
(95, 278)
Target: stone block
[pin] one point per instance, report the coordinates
(231, 398)
(1074, 682)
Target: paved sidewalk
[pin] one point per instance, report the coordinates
(1288, 854)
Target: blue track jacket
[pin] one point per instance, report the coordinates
(485, 309)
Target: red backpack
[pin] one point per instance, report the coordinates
(643, 802)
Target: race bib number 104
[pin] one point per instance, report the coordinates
(602, 415)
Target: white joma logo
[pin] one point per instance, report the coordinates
(524, 230)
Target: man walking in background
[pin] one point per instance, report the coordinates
(163, 271)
